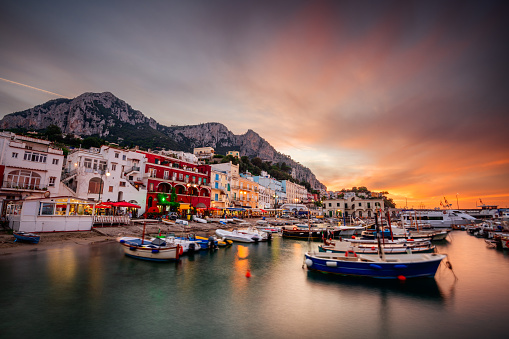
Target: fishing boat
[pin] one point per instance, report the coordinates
(235, 235)
(360, 248)
(188, 244)
(155, 250)
(313, 233)
(401, 266)
(26, 237)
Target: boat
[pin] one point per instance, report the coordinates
(268, 229)
(188, 244)
(437, 218)
(360, 248)
(218, 242)
(26, 237)
(264, 236)
(399, 266)
(313, 233)
(155, 250)
(401, 233)
(235, 235)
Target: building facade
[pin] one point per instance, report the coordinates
(29, 167)
(204, 153)
(163, 173)
(105, 174)
(220, 188)
(352, 207)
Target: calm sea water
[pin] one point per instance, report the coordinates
(96, 292)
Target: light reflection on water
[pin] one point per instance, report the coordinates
(95, 291)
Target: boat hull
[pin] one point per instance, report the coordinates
(26, 237)
(152, 253)
(370, 266)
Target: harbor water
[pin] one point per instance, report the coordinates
(95, 291)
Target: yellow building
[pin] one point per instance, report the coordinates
(235, 154)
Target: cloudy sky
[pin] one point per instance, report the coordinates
(406, 97)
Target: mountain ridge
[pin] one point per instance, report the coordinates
(108, 117)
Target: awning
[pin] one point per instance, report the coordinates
(102, 206)
(124, 204)
(184, 206)
(201, 205)
(235, 209)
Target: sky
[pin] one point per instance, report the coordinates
(400, 96)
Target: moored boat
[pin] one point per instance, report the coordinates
(235, 235)
(156, 250)
(359, 248)
(384, 267)
(26, 237)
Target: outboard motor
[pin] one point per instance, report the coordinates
(212, 243)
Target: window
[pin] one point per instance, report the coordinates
(122, 184)
(94, 185)
(124, 157)
(47, 208)
(330, 204)
(156, 161)
(217, 176)
(204, 181)
(35, 157)
(216, 198)
(110, 189)
(52, 181)
(23, 179)
(181, 176)
(15, 155)
(87, 163)
(166, 175)
(117, 155)
(216, 185)
(113, 167)
(103, 165)
(55, 161)
(151, 188)
(369, 205)
(359, 204)
(338, 204)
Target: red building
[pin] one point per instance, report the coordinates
(191, 182)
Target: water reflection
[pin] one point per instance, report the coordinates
(424, 289)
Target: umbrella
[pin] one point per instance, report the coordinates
(124, 204)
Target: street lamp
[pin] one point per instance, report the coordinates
(101, 183)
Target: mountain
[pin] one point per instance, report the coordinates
(108, 117)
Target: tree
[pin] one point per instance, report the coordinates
(53, 133)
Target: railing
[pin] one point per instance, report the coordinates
(67, 174)
(132, 169)
(112, 219)
(19, 186)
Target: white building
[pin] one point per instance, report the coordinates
(352, 206)
(295, 193)
(279, 195)
(106, 174)
(265, 197)
(29, 167)
(203, 153)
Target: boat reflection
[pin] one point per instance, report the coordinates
(424, 289)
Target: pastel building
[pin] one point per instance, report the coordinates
(29, 168)
(352, 206)
(165, 171)
(220, 188)
(105, 174)
(295, 193)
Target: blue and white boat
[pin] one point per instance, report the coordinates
(26, 237)
(399, 266)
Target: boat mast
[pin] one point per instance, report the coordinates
(380, 248)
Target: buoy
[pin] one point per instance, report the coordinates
(248, 274)
(353, 236)
(373, 248)
(401, 278)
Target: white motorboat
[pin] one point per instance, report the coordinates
(235, 235)
(437, 218)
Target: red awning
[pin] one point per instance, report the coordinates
(124, 204)
(103, 205)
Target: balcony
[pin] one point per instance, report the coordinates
(132, 169)
(24, 187)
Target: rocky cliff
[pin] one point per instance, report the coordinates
(106, 116)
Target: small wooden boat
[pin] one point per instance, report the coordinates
(156, 250)
(360, 248)
(374, 266)
(26, 237)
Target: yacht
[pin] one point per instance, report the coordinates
(437, 218)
